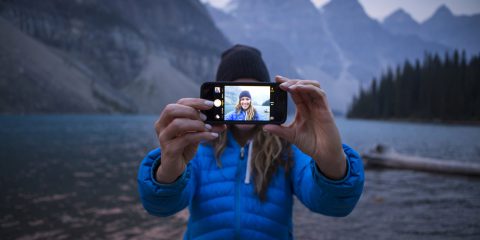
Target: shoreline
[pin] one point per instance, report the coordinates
(472, 123)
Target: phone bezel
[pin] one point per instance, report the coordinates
(282, 100)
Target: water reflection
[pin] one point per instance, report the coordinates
(75, 177)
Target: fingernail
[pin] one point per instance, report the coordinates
(203, 117)
(208, 126)
(214, 134)
(209, 103)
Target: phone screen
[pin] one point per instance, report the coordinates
(245, 103)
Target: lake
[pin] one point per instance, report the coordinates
(74, 176)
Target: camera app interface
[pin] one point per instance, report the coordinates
(243, 103)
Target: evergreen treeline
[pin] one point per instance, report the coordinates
(445, 88)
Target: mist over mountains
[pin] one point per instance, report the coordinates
(339, 44)
(88, 56)
(460, 32)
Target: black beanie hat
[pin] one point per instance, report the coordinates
(244, 94)
(241, 61)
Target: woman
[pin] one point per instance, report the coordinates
(244, 109)
(239, 183)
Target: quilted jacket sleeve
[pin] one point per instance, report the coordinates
(163, 199)
(322, 195)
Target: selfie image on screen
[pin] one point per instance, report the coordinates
(247, 103)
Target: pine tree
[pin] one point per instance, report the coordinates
(445, 89)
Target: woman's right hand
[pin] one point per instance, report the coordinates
(180, 128)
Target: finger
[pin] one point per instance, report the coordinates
(298, 99)
(285, 85)
(314, 96)
(197, 103)
(309, 82)
(281, 79)
(308, 97)
(284, 132)
(180, 126)
(192, 138)
(284, 82)
(172, 111)
(301, 96)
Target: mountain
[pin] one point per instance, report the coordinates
(400, 22)
(339, 44)
(459, 32)
(34, 78)
(368, 46)
(277, 58)
(294, 45)
(297, 25)
(145, 51)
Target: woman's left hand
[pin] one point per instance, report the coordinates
(313, 130)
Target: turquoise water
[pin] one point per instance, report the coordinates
(440, 141)
(74, 177)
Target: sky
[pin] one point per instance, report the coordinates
(379, 9)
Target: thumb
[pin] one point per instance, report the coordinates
(281, 131)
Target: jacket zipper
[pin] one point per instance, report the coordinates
(242, 152)
(238, 184)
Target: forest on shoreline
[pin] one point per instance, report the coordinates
(438, 89)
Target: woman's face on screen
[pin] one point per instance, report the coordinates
(244, 127)
(245, 102)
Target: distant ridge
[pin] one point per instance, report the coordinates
(339, 44)
(455, 32)
(400, 22)
(130, 56)
(34, 78)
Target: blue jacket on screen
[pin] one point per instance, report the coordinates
(223, 206)
(239, 116)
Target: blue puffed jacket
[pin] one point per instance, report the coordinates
(222, 201)
(240, 115)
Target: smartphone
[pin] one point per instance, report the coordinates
(245, 103)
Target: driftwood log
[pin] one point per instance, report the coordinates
(383, 156)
